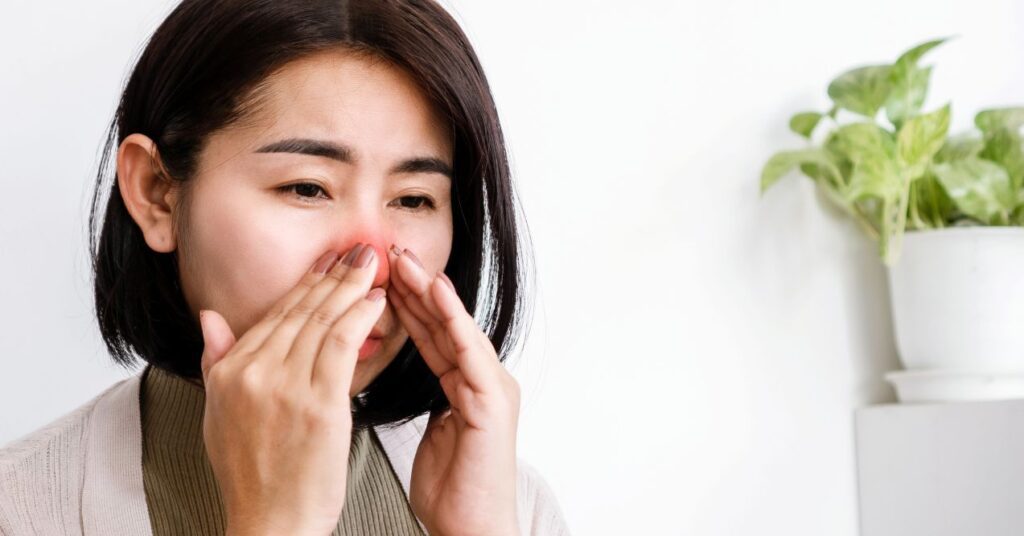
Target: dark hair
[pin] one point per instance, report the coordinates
(203, 70)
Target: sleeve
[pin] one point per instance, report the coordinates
(539, 513)
(40, 477)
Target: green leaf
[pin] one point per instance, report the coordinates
(1004, 147)
(930, 202)
(959, 147)
(860, 141)
(803, 123)
(862, 90)
(832, 147)
(920, 138)
(908, 95)
(979, 188)
(871, 150)
(783, 162)
(912, 56)
(909, 83)
(874, 177)
(1011, 119)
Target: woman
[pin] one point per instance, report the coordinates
(306, 196)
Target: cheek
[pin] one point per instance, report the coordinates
(246, 257)
(431, 243)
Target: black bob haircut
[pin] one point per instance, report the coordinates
(202, 70)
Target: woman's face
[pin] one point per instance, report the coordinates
(260, 214)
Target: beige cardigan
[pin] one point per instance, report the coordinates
(82, 474)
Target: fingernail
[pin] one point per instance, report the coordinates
(394, 249)
(375, 294)
(365, 256)
(325, 262)
(352, 254)
(444, 277)
(413, 257)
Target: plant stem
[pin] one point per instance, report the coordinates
(915, 217)
(894, 237)
(864, 222)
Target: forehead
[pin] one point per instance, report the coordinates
(362, 101)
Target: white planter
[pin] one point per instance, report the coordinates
(958, 301)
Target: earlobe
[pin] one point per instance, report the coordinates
(147, 191)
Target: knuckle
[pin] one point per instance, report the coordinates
(309, 280)
(251, 380)
(322, 317)
(342, 338)
(315, 416)
(513, 389)
(420, 293)
(283, 397)
(349, 286)
(301, 310)
(215, 376)
(510, 388)
(276, 312)
(338, 272)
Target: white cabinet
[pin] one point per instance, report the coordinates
(952, 469)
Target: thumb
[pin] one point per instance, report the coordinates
(217, 339)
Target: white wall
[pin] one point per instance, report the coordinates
(697, 351)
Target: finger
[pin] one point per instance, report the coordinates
(465, 402)
(412, 283)
(421, 337)
(396, 280)
(439, 435)
(413, 304)
(336, 362)
(352, 288)
(436, 421)
(281, 339)
(258, 333)
(478, 362)
(455, 388)
(217, 339)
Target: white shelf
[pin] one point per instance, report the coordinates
(941, 469)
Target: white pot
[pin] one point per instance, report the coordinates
(958, 300)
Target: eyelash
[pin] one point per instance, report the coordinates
(293, 188)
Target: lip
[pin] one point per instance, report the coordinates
(370, 346)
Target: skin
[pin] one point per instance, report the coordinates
(277, 422)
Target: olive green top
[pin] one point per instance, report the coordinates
(182, 494)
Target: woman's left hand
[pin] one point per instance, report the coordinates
(464, 472)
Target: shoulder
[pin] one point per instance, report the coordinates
(60, 435)
(41, 471)
(539, 511)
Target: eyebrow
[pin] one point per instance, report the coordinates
(343, 153)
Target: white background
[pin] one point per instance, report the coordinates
(697, 351)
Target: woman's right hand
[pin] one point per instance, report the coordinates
(278, 421)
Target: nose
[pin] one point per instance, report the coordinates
(362, 223)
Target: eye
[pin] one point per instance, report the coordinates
(418, 201)
(303, 190)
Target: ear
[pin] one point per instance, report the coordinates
(148, 192)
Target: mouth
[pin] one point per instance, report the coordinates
(371, 345)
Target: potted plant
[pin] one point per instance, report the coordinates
(947, 212)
